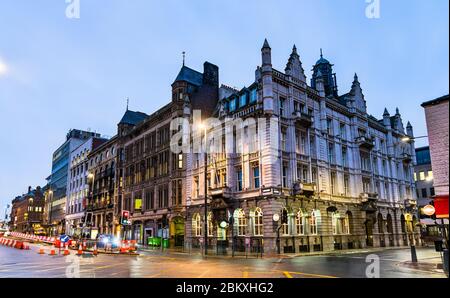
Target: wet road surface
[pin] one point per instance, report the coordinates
(28, 263)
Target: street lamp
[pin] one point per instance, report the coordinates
(202, 126)
(407, 139)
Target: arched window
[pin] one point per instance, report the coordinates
(403, 223)
(300, 223)
(197, 225)
(313, 223)
(285, 226)
(240, 222)
(335, 222)
(380, 224)
(210, 225)
(258, 222)
(346, 223)
(390, 229)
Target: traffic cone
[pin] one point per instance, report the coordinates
(80, 250)
(95, 250)
(66, 250)
(53, 252)
(41, 250)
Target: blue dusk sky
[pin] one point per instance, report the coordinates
(58, 73)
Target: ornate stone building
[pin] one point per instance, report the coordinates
(341, 177)
(153, 174)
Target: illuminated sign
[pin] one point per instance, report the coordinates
(428, 210)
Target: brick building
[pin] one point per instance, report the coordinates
(27, 211)
(437, 117)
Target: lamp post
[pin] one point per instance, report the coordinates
(90, 176)
(205, 176)
(50, 198)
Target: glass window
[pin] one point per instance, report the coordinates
(336, 223)
(430, 175)
(342, 131)
(241, 222)
(253, 96)
(239, 179)
(421, 176)
(210, 225)
(330, 126)
(233, 105)
(300, 223)
(258, 222)
(285, 226)
(197, 225)
(313, 223)
(256, 183)
(243, 100)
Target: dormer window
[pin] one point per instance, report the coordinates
(233, 105)
(253, 96)
(243, 100)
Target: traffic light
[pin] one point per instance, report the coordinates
(284, 217)
(125, 217)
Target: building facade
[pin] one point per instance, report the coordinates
(423, 176)
(78, 187)
(334, 177)
(437, 118)
(57, 181)
(154, 176)
(27, 212)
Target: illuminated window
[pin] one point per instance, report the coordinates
(197, 225)
(241, 222)
(210, 225)
(180, 161)
(421, 176)
(313, 223)
(258, 222)
(430, 175)
(300, 223)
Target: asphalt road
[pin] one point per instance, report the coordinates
(19, 263)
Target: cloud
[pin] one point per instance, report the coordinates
(3, 67)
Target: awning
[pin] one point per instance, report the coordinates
(441, 206)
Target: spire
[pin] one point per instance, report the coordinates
(184, 57)
(294, 50)
(266, 44)
(128, 101)
(321, 53)
(355, 78)
(386, 113)
(397, 111)
(408, 125)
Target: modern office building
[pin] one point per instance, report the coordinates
(57, 181)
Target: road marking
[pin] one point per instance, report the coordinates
(310, 274)
(287, 274)
(203, 274)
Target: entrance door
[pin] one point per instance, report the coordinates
(369, 232)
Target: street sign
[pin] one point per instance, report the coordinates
(64, 238)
